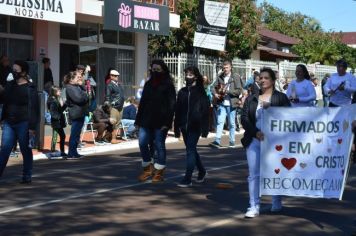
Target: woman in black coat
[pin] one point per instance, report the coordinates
(56, 108)
(154, 118)
(77, 102)
(20, 117)
(191, 119)
(251, 120)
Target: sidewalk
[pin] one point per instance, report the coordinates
(91, 148)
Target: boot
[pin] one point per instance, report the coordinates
(114, 140)
(158, 176)
(146, 173)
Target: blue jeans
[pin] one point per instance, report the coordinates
(130, 124)
(193, 158)
(10, 133)
(74, 138)
(326, 101)
(253, 160)
(145, 137)
(230, 112)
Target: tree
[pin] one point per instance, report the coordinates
(242, 36)
(315, 44)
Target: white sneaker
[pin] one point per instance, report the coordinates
(252, 212)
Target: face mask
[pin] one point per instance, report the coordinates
(189, 81)
(156, 74)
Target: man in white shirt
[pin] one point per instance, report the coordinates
(340, 86)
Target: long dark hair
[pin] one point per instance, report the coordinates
(164, 68)
(270, 72)
(195, 71)
(305, 71)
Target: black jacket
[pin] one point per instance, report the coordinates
(100, 116)
(77, 101)
(248, 116)
(157, 105)
(56, 110)
(235, 90)
(115, 95)
(33, 105)
(192, 111)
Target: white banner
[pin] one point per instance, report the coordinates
(305, 151)
(51, 10)
(212, 23)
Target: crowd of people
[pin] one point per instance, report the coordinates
(197, 108)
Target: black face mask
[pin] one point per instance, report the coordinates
(16, 75)
(189, 81)
(156, 74)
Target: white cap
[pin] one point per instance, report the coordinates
(114, 72)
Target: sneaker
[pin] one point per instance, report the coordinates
(99, 143)
(185, 183)
(26, 180)
(201, 176)
(232, 145)
(215, 144)
(63, 154)
(252, 212)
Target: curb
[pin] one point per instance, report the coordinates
(113, 147)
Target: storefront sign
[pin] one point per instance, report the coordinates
(125, 15)
(51, 10)
(305, 151)
(211, 25)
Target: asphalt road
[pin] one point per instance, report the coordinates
(99, 195)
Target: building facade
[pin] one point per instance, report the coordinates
(25, 35)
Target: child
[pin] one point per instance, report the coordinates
(56, 107)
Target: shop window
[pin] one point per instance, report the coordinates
(126, 38)
(68, 31)
(20, 49)
(108, 36)
(88, 32)
(20, 25)
(3, 23)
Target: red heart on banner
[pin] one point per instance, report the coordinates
(339, 140)
(279, 147)
(277, 171)
(289, 163)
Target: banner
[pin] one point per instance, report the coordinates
(125, 15)
(306, 151)
(212, 25)
(55, 10)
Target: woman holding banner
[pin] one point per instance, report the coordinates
(301, 92)
(251, 122)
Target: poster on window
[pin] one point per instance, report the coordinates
(132, 16)
(306, 151)
(212, 23)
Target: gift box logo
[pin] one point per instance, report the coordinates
(124, 16)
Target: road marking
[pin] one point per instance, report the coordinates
(80, 195)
